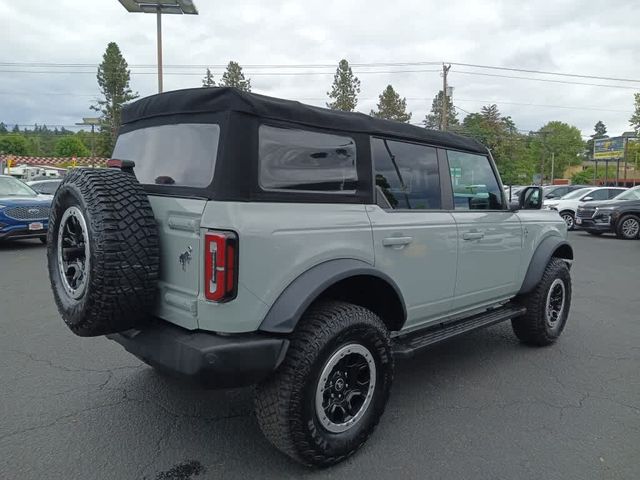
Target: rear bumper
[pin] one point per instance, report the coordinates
(214, 361)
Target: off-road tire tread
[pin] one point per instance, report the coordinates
(124, 251)
(276, 398)
(530, 328)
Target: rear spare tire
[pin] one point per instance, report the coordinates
(102, 251)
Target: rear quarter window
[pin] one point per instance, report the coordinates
(182, 155)
(303, 160)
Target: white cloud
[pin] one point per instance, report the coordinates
(566, 35)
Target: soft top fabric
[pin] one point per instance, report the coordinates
(222, 99)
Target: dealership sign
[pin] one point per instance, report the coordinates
(608, 148)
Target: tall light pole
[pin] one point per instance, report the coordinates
(160, 7)
(91, 121)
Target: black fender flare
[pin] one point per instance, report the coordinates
(286, 311)
(540, 259)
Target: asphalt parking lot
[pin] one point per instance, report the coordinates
(478, 407)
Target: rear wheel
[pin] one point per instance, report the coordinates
(547, 306)
(569, 218)
(330, 391)
(628, 227)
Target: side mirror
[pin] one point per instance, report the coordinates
(530, 198)
(587, 199)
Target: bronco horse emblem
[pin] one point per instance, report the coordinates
(185, 257)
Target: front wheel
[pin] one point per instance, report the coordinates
(547, 306)
(569, 219)
(628, 227)
(331, 389)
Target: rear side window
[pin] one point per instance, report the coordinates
(292, 159)
(182, 154)
(406, 174)
(475, 186)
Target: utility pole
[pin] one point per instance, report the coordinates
(445, 101)
(553, 164)
(159, 45)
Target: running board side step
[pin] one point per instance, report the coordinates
(406, 345)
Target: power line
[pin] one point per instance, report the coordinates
(542, 72)
(465, 72)
(248, 73)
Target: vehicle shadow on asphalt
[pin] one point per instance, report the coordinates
(27, 244)
(224, 437)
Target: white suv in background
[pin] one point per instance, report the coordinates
(567, 206)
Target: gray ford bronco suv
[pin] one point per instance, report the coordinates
(240, 239)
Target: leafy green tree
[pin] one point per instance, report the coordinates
(600, 131)
(208, 80)
(585, 177)
(345, 89)
(510, 149)
(71, 146)
(234, 77)
(433, 119)
(563, 141)
(113, 79)
(3, 128)
(391, 106)
(14, 144)
(635, 118)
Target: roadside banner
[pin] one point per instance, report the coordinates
(608, 148)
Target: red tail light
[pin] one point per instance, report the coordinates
(220, 266)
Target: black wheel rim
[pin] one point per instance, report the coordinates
(345, 388)
(555, 303)
(73, 252)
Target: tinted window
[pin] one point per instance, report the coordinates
(599, 194)
(406, 174)
(183, 154)
(614, 193)
(292, 159)
(475, 186)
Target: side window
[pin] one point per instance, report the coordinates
(599, 194)
(475, 186)
(406, 175)
(292, 159)
(614, 193)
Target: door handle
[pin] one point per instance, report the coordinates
(396, 241)
(472, 235)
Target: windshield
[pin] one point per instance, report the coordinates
(576, 193)
(11, 187)
(633, 194)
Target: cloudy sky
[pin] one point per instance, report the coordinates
(573, 36)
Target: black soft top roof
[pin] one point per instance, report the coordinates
(211, 100)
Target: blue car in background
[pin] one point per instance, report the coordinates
(23, 213)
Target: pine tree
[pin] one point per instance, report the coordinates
(635, 118)
(391, 106)
(3, 128)
(208, 80)
(15, 129)
(234, 77)
(600, 131)
(113, 80)
(345, 89)
(491, 114)
(433, 120)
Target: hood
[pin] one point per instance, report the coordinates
(12, 200)
(611, 203)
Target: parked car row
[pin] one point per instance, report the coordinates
(23, 212)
